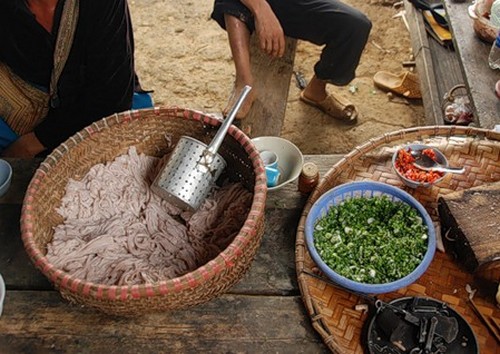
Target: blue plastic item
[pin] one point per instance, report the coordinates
(272, 176)
(142, 100)
(367, 190)
(7, 135)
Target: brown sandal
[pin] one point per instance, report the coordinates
(335, 106)
(405, 84)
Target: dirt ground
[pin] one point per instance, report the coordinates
(184, 57)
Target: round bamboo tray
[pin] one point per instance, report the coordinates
(332, 310)
(154, 132)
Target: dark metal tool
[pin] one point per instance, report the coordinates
(300, 80)
(414, 325)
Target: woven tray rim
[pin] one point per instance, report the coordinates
(226, 259)
(313, 310)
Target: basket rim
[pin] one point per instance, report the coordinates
(224, 260)
(313, 307)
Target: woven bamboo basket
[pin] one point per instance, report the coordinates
(102, 142)
(332, 310)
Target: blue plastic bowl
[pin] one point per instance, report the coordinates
(367, 190)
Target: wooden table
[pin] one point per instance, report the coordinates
(262, 313)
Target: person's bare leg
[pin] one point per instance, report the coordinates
(239, 42)
(315, 90)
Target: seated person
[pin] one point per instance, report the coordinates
(342, 30)
(98, 77)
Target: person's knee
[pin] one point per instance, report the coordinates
(364, 25)
(360, 26)
(355, 29)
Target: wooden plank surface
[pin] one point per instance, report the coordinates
(473, 53)
(39, 322)
(424, 64)
(272, 82)
(262, 313)
(16, 267)
(438, 67)
(22, 171)
(447, 70)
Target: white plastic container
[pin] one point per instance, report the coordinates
(494, 56)
(5, 176)
(495, 13)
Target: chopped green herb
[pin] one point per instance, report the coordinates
(371, 240)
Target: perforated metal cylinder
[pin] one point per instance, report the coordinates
(189, 174)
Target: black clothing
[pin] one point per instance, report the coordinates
(98, 78)
(342, 29)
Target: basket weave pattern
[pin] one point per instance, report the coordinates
(331, 309)
(103, 141)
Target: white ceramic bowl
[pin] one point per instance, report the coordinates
(290, 158)
(5, 176)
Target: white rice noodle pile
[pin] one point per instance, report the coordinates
(117, 232)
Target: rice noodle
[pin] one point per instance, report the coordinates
(117, 232)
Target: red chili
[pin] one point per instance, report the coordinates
(404, 164)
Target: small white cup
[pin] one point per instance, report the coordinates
(2, 294)
(270, 160)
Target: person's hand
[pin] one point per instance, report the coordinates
(269, 31)
(27, 146)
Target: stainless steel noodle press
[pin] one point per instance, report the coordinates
(193, 167)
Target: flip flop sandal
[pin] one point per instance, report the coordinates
(335, 106)
(405, 84)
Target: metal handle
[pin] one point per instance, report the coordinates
(449, 95)
(221, 133)
(458, 170)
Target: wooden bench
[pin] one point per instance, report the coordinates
(440, 68)
(473, 54)
(272, 83)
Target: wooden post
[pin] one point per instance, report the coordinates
(272, 82)
(438, 67)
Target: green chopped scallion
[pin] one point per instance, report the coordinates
(371, 240)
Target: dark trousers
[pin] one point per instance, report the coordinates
(343, 30)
